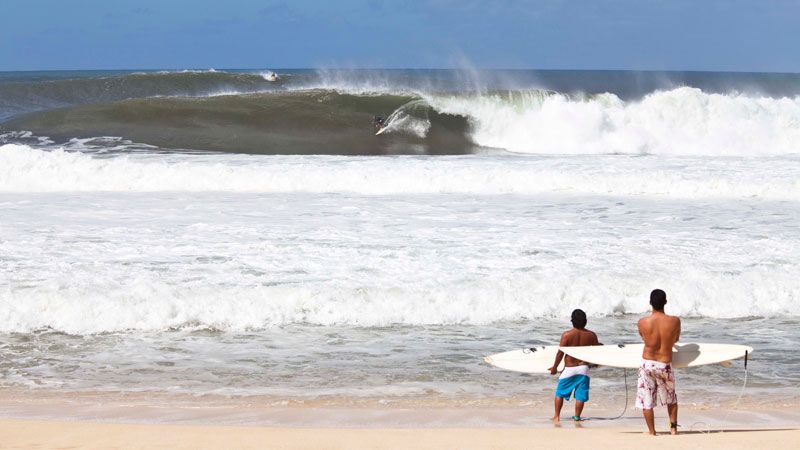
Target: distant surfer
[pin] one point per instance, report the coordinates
(574, 379)
(379, 123)
(656, 378)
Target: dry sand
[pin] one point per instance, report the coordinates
(51, 434)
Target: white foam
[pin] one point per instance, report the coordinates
(683, 121)
(406, 120)
(269, 75)
(151, 304)
(26, 169)
(110, 261)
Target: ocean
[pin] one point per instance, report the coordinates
(215, 234)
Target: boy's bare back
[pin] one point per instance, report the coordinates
(577, 338)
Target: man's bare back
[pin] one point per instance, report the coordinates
(577, 338)
(659, 332)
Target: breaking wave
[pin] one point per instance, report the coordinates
(106, 305)
(682, 121)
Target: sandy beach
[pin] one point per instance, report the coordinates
(51, 434)
(58, 420)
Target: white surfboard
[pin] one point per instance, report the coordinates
(684, 355)
(527, 360)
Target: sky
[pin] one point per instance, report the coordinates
(717, 35)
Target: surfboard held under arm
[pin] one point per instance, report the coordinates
(684, 355)
(527, 360)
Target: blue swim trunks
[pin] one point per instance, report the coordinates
(574, 379)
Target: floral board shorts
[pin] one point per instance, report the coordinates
(656, 381)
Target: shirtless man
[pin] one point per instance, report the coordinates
(575, 376)
(656, 378)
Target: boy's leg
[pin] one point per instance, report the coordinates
(559, 402)
(581, 395)
(578, 408)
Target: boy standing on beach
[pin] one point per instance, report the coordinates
(656, 378)
(574, 379)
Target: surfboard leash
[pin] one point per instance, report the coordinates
(624, 409)
(741, 392)
(735, 405)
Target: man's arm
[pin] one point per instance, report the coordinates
(559, 354)
(678, 335)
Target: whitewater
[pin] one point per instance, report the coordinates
(236, 242)
(188, 232)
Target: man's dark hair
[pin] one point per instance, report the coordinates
(658, 299)
(578, 319)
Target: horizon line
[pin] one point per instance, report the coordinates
(208, 69)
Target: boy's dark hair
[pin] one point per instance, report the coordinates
(658, 299)
(578, 319)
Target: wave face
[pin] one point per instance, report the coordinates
(297, 122)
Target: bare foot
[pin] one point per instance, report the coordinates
(673, 431)
(556, 419)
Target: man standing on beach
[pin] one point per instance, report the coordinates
(575, 376)
(656, 378)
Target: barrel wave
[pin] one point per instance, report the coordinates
(684, 121)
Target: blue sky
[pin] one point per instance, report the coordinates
(755, 35)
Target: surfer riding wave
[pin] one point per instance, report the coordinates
(379, 123)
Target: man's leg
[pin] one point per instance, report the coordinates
(559, 402)
(578, 408)
(650, 421)
(672, 401)
(673, 417)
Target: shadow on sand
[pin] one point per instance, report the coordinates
(735, 430)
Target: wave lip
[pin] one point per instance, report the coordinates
(26, 169)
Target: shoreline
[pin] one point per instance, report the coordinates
(425, 412)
